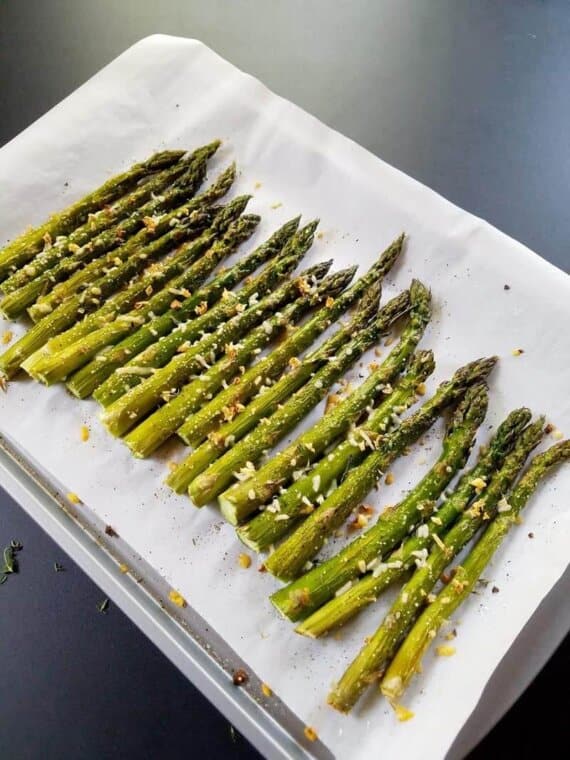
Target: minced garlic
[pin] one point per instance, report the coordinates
(310, 734)
(402, 713)
(177, 598)
(244, 560)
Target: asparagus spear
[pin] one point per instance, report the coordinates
(251, 448)
(408, 658)
(77, 305)
(94, 239)
(269, 396)
(83, 382)
(135, 206)
(262, 485)
(300, 598)
(366, 590)
(152, 231)
(215, 219)
(197, 427)
(157, 428)
(266, 528)
(241, 354)
(346, 566)
(129, 348)
(124, 413)
(371, 662)
(221, 219)
(25, 247)
(179, 272)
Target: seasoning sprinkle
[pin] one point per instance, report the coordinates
(103, 606)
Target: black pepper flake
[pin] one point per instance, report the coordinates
(240, 677)
(506, 287)
(495, 590)
(110, 531)
(531, 535)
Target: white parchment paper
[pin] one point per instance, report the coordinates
(169, 92)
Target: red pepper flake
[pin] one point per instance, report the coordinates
(110, 531)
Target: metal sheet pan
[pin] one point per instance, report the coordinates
(180, 634)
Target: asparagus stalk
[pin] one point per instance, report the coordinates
(152, 231)
(27, 245)
(124, 413)
(346, 566)
(76, 306)
(266, 528)
(220, 373)
(300, 598)
(270, 430)
(95, 238)
(266, 403)
(176, 274)
(197, 427)
(157, 428)
(90, 299)
(371, 662)
(129, 348)
(262, 485)
(105, 219)
(368, 588)
(137, 204)
(220, 217)
(83, 382)
(408, 658)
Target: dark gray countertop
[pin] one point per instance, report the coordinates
(470, 98)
